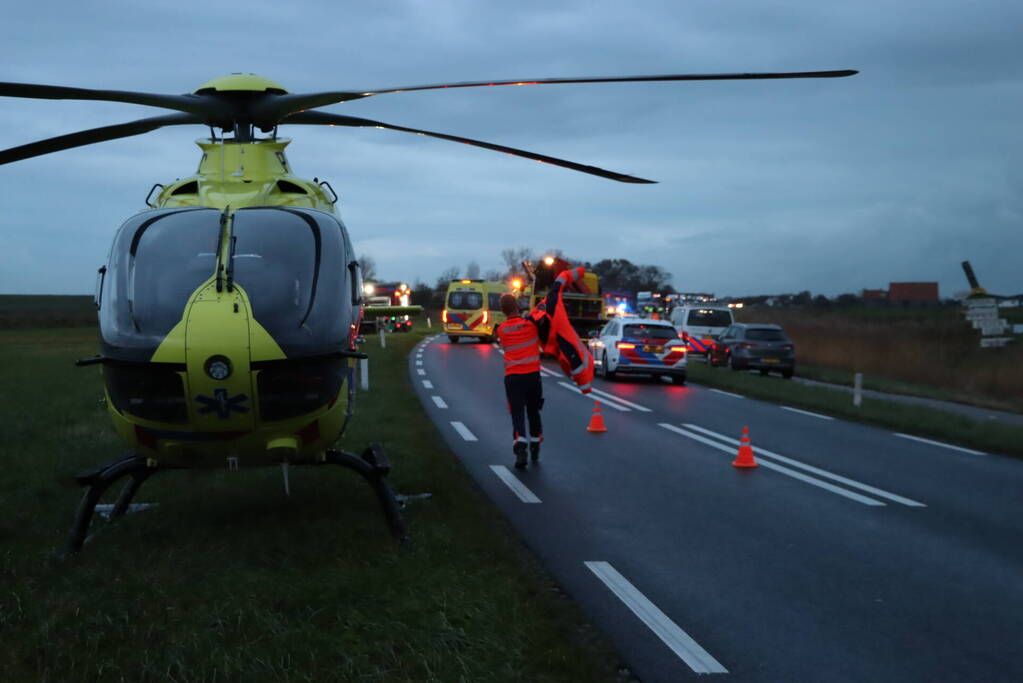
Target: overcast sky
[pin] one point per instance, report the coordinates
(896, 174)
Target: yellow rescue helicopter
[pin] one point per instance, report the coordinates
(229, 310)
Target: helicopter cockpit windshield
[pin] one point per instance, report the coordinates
(291, 264)
(157, 261)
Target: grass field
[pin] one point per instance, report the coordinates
(923, 351)
(228, 579)
(31, 310)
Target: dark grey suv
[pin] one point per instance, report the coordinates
(758, 346)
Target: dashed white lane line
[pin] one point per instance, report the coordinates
(727, 393)
(613, 404)
(680, 642)
(463, 431)
(938, 443)
(512, 482)
(421, 371)
(427, 384)
(807, 412)
(439, 402)
(757, 450)
(777, 468)
(419, 362)
(632, 405)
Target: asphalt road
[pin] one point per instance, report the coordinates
(850, 554)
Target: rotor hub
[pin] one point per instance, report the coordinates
(241, 83)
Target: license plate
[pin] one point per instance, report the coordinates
(771, 360)
(708, 336)
(653, 349)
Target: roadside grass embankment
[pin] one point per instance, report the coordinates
(229, 579)
(928, 352)
(903, 417)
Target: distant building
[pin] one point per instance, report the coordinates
(875, 295)
(912, 292)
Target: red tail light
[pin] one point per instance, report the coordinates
(444, 315)
(624, 345)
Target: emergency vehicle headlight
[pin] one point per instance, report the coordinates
(218, 367)
(368, 289)
(549, 260)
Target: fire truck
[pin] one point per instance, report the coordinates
(378, 297)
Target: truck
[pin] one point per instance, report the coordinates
(387, 306)
(583, 302)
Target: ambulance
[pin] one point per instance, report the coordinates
(472, 308)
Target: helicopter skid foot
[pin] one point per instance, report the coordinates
(374, 467)
(99, 479)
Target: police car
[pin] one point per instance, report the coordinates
(639, 346)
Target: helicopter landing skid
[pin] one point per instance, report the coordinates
(374, 467)
(98, 480)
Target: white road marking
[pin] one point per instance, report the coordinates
(727, 393)
(419, 362)
(464, 432)
(757, 450)
(421, 371)
(680, 642)
(496, 345)
(548, 373)
(616, 406)
(622, 400)
(806, 412)
(517, 487)
(777, 468)
(439, 402)
(427, 384)
(938, 443)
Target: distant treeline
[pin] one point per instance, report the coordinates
(44, 310)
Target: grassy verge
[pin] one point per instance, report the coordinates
(228, 579)
(895, 386)
(911, 419)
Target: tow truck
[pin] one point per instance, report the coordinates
(584, 305)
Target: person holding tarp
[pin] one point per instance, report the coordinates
(545, 328)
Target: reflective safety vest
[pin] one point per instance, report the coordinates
(559, 338)
(521, 345)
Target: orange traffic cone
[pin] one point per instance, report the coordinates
(597, 420)
(745, 456)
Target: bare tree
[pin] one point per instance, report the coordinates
(472, 271)
(513, 259)
(493, 275)
(369, 268)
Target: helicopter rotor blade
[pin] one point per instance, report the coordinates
(193, 104)
(282, 105)
(88, 137)
(326, 119)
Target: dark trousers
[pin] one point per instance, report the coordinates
(525, 398)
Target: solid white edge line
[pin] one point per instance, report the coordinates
(463, 431)
(727, 393)
(680, 642)
(757, 450)
(512, 482)
(807, 412)
(427, 384)
(577, 390)
(778, 468)
(938, 443)
(439, 402)
(421, 371)
(622, 400)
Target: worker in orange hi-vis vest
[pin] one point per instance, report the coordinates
(545, 327)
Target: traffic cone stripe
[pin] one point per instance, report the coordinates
(745, 456)
(596, 420)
